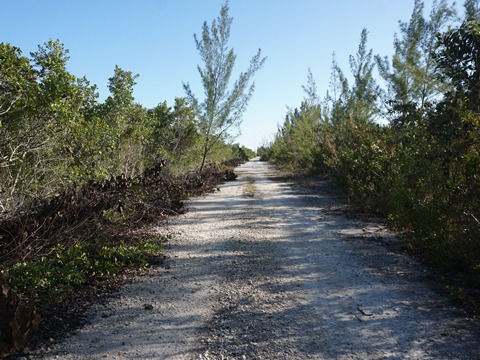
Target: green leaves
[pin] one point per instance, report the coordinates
(17, 80)
(458, 58)
(51, 278)
(174, 134)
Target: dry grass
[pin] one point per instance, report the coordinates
(249, 189)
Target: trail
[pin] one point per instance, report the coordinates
(264, 270)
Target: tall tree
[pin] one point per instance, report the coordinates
(365, 92)
(411, 76)
(360, 100)
(472, 9)
(336, 99)
(224, 105)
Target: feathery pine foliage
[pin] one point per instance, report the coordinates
(224, 104)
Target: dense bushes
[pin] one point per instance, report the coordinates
(55, 134)
(422, 169)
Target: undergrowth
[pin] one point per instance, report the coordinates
(52, 278)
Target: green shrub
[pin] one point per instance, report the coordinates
(56, 276)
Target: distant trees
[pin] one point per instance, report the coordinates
(296, 142)
(223, 106)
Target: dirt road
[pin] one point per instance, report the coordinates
(261, 270)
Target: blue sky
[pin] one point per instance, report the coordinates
(154, 38)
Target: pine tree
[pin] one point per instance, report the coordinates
(472, 9)
(411, 77)
(223, 107)
(365, 92)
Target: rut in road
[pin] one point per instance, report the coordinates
(263, 270)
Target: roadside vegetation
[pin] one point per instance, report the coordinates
(83, 183)
(401, 136)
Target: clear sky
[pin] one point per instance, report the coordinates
(154, 38)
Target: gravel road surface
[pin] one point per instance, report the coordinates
(264, 270)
